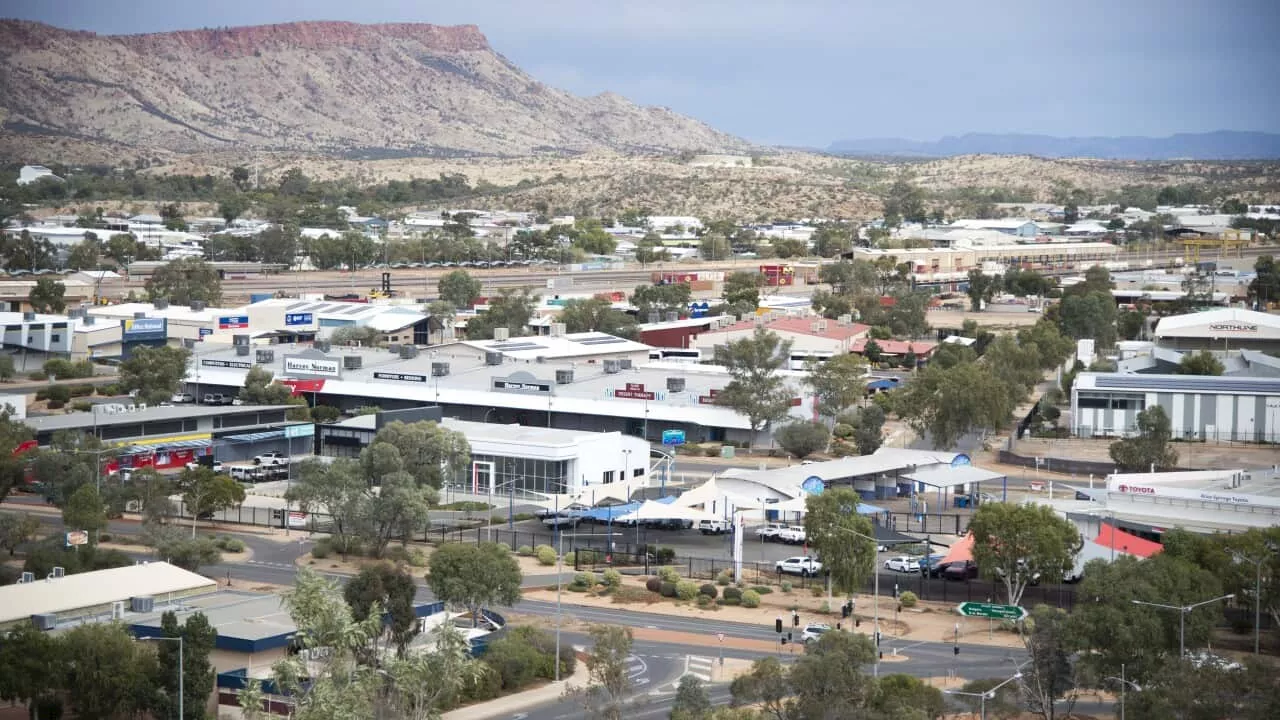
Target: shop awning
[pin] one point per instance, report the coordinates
(254, 437)
(1114, 538)
(179, 445)
(653, 510)
(961, 551)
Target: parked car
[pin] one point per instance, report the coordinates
(960, 570)
(902, 563)
(215, 399)
(1204, 659)
(813, 632)
(792, 535)
(216, 465)
(713, 527)
(179, 398)
(560, 521)
(769, 532)
(803, 566)
(929, 565)
(274, 457)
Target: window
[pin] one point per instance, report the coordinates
(55, 337)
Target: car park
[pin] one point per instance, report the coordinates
(215, 399)
(902, 563)
(929, 564)
(803, 566)
(813, 632)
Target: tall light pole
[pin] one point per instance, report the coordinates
(560, 575)
(983, 697)
(181, 668)
(1123, 685)
(1257, 594)
(1183, 611)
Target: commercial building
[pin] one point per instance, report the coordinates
(1225, 329)
(520, 381)
(1200, 407)
(514, 460)
(810, 337)
(949, 267)
(96, 596)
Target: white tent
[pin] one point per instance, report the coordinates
(652, 510)
(710, 492)
(797, 505)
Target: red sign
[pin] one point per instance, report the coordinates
(634, 391)
(796, 402)
(28, 445)
(709, 398)
(304, 386)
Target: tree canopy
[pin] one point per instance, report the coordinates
(756, 388)
(1150, 448)
(1017, 545)
(185, 280)
(473, 576)
(154, 372)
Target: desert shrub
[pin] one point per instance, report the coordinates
(750, 599)
(525, 655)
(321, 549)
(786, 586)
(585, 580)
(82, 406)
(417, 557)
(571, 559)
(59, 394)
(762, 589)
(732, 593)
(612, 579)
(546, 555)
(668, 574)
(524, 551)
(104, 537)
(110, 389)
(668, 590)
(80, 390)
(704, 601)
(653, 584)
(588, 556)
(908, 599)
(686, 590)
(709, 590)
(664, 554)
(230, 544)
(825, 608)
(724, 577)
(626, 594)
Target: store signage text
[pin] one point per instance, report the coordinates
(233, 322)
(402, 377)
(235, 364)
(634, 391)
(1233, 327)
(298, 319)
(294, 364)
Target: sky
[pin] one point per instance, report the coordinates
(810, 72)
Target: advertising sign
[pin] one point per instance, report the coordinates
(300, 430)
(134, 329)
(322, 366)
(77, 537)
(522, 382)
(233, 322)
(205, 331)
(233, 364)
(634, 391)
(1215, 496)
(298, 319)
(402, 377)
(672, 437)
(813, 485)
(709, 398)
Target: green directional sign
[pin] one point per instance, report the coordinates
(991, 610)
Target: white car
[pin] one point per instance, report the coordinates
(713, 527)
(813, 632)
(1205, 659)
(803, 566)
(271, 458)
(793, 535)
(560, 521)
(902, 563)
(216, 466)
(769, 532)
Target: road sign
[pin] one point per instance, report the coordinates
(297, 431)
(671, 437)
(992, 611)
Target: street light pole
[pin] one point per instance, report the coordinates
(876, 590)
(1123, 685)
(1257, 596)
(983, 697)
(559, 576)
(1183, 611)
(181, 667)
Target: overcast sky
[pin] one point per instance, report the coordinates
(809, 72)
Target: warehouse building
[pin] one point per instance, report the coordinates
(1200, 407)
(1225, 329)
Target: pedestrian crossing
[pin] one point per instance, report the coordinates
(695, 665)
(637, 668)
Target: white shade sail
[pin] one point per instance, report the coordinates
(711, 492)
(652, 510)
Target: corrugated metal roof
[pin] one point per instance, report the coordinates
(1188, 383)
(95, 589)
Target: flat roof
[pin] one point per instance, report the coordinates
(881, 461)
(83, 591)
(241, 618)
(75, 421)
(1233, 321)
(568, 346)
(1137, 382)
(513, 433)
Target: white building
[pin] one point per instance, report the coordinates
(31, 173)
(1200, 407)
(1226, 329)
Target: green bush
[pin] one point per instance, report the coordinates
(825, 608)
(571, 559)
(686, 590)
(668, 574)
(104, 537)
(82, 406)
(110, 389)
(524, 656)
(37, 375)
(321, 549)
(58, 393)
(786, 586)
(762, 589)
(585, 580)
(730, 601)
(524, 551)
(325, 413)
(653, 584)
(908, 599)
(751, 599)
(724, 577)
(709, 590)
(417, 557)
(732, 593)
(668, 589)
(704, 601)
(80, 390)
(229, 544)
(664, 554)
(546, 555)
(612, 579)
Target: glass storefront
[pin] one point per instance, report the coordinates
(511, 474)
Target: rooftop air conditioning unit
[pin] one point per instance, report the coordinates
(198, 305)
(493, 358)
(501, 334)
(45, 621)
(624, 363)
(564, 377)
(240, 340)
(558, 329)
(161, 304)
(611, 367)
(117, 610)
(655, 317)
(439, 369)
(322, 345)
(75, 313)
(352, 362)
(242, 350)
(844, 320)
(28, 315)
(27, 577)
(266, 356)
(144, 604)
(58, 572)
(675, 384)
(672, 316)
(408, 352)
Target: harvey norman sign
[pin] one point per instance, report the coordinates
(312, 366)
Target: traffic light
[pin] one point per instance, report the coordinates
(955, 650)
(844, 610)
(795, 619)
(789, 636)
(777, 625)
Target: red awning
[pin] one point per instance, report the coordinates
(304, 386)
(961, 551)
(1121, 541)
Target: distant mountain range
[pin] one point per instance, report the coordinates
(1219, 145)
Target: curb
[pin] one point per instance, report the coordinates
(511, 704)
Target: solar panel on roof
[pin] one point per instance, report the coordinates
(354, 310)
(1188, 383)
(517, 346)
(295, 306)
(600, 341)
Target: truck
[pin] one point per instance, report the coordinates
(270, 459)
